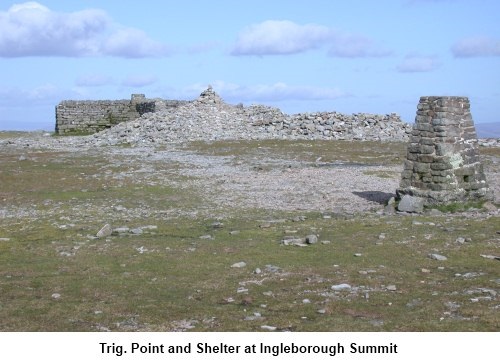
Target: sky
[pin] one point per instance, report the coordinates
(301, 56)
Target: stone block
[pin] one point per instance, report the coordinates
(425, 158)
(427, 141)
(440, 166)
(411, 204)
(426, 149)
(419, 167)
(424, 127)
(414, 148)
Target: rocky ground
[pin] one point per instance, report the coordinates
(150, 227)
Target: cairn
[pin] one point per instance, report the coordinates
(442, 164)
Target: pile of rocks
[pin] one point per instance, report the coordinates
(334, 125)
(210, 118)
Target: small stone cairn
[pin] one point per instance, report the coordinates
(442, 163)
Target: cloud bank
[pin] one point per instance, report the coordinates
(479, 46)
(32, 29)
(281, 37)
(418, 63)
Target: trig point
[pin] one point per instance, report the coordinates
(442, 164)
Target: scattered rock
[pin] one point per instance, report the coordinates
(23, 158)
(452, 305)
(358, 254)
(290, 240)
(269, 328)
(311, 239)
(342, 286)
(142, 249)
(491, 257)
(56, 296)
(438, 257)
(121, 230)
(136, 231)
(272, 268)
(217, 225)
(257, 271)
(240, 264)
(255, 317)
(391, 288)
(227, 300)
(106, 230)
(435, 212)
(489, 206)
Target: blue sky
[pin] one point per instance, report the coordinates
(317, 55)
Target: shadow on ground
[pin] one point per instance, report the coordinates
(375, 196)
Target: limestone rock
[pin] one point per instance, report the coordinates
(411, 204)
(106, 230)
(343, 286)
(438, 257)
(311, 239)
(240, 264)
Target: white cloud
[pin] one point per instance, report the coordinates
(43, 94)
(138, 81)
(275, 37)
(132, 43)
(276, 92)
(418, 63)
(356, 46)
(479, 46)
(93, 80)
(31, 29)
(280, 37)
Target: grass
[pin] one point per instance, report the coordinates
(367, 152)
(168, 278)
(458, 206)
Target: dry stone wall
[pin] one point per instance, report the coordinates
(442, 163)
(93, 116)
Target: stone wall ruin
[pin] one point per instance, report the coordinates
(209, 117)
(87, 117)
(442, 164)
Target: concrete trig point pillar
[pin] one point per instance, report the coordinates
(442, 164)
